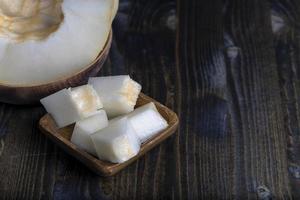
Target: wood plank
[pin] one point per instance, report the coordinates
(21, 159)
(206, 151)
(285, 23)
(255, 102)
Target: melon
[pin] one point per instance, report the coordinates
(83, 130)
(42, 41)
(118, 94)
(117, 142)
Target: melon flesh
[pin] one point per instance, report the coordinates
(71, 105)
(117, 142)
(86, 100)
(46, 40)
(118, 93)
(85, 128)
(62, 108)
(147, 121)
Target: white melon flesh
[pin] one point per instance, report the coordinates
(115, 8)
(62, 108)
(85, 128)
(33, 55)
(118, 93)
(86, 100)
(116, 143)
(147, 121)
(68, 106)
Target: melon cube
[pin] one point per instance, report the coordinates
(147, 121)
(61, 107)
(118, 93)
(68, 106)
(85, 128)
(117, 142)
(86, 100)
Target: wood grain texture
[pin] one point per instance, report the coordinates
(256, 102)
(206, 152)
(230, 70)
(285, 23)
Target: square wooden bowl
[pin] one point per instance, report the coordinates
(62, 137)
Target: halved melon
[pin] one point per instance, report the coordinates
(42, 41)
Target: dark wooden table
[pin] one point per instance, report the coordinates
(230, 69)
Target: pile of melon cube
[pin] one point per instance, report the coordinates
(107, 125)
